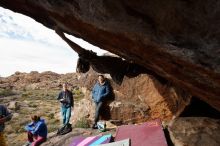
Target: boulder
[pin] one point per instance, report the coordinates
(137, 99)
(195, 131)
(13, 105)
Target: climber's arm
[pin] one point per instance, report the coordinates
(73, 45)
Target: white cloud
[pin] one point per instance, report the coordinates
(26, 45)
(26, 56)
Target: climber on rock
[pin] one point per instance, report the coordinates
(115, 66)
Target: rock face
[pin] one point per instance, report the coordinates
(136, 100)
(195, 132)
(177, 39)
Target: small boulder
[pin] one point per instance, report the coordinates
(195, 131)
(13, 105)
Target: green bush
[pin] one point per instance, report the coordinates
(82, 123)
(77, 92)
(6, 92)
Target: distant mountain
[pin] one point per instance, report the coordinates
(36, 80)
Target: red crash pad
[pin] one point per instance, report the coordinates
(146, 134)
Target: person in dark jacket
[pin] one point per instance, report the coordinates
(66, 99)
(99, 94)
(37, 131)
(5, 116)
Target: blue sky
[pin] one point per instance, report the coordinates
(26, 45)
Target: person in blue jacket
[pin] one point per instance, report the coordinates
(37, 131)
(100, 92)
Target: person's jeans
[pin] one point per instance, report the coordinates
(2, 139)
(35, 140)
(66, 114)
(98, 106)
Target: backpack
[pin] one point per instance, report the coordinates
(65, 129)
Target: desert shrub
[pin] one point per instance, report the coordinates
(24, 95)
(77, 92)
(78, 97)
(53, 125)
(6, 92)
(51, 116)
(82, 123)
(32, 104)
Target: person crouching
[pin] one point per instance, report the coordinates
(36, 131)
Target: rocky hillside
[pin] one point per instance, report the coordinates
(35, 80)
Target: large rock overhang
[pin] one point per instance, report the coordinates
(177, 39)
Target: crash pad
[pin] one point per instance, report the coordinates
(146, 134)
(91, 141)
(125, 142)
